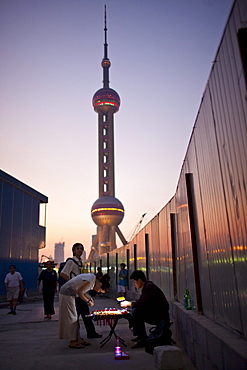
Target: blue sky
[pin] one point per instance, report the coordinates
(161, 53)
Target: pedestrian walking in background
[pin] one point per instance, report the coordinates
(49, 279)
(13, 283)
(122, 280)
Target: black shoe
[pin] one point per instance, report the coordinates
(95, 335)
(10, 313)
(139, 344)
(14, 313)
(135, 339)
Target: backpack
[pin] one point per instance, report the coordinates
(61, 280)
(72, 274)
(82, 269)
(160, 335)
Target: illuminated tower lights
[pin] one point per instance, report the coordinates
(107, 211)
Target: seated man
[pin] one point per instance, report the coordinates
(151, 307)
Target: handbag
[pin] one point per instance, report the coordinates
(160, 335)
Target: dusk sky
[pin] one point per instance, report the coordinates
(161, 52)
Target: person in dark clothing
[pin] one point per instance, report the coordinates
(49, 278)
(151, 307)
(99, 273)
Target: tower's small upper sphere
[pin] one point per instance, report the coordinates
(108, 211)
(105, 63)
(106, 99)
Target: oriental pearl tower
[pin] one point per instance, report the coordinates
(107, 211)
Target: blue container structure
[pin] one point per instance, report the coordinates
(21, 235)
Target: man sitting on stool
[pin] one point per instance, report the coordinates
(151, 307)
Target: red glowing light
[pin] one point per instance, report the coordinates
(106, 103)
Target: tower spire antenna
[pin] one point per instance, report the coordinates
(105, 62)
(105, 44)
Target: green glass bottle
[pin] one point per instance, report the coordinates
(188, 299)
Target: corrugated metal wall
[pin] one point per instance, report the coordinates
(216, 163)
(21, 236)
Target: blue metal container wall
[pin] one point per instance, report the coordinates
(20, 233)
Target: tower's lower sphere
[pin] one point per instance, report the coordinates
(108, 211)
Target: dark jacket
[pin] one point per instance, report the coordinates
(49, 280)
(153, 302)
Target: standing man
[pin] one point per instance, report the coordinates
(99, 273)
(73, 267)
(49, 278)
(122, 280)
(151, 307)
(13, 282)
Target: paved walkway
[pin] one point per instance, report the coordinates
(28, 342)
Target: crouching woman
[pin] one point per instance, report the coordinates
(68, 320)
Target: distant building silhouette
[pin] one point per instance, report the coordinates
(59, 252)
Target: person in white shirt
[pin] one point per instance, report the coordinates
(13, 282)
(68, 319)
(72, 268)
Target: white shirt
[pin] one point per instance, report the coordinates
(70, 287)
(13, 280)
(71, 269)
